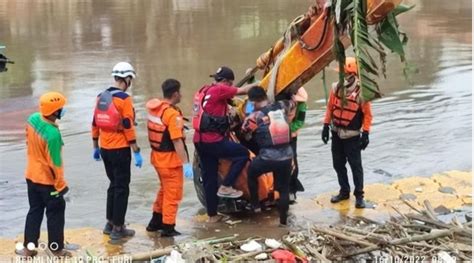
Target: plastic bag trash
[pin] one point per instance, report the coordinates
(230, 222)
(72, 246)
(251, 246)
(272, 243)
(174, 257)
(261, 256)
(282, 255)
(159, 260)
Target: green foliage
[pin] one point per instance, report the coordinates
(362, 41)
(350, 16)
(401, 8)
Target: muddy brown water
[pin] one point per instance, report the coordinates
(71, 46)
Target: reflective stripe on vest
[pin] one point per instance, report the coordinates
(158, 133)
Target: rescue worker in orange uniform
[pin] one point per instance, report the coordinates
(351, 119)
(45, 176)
(114, 132)
(169, 156)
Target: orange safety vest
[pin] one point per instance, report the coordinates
(342, 115)
(158, 133)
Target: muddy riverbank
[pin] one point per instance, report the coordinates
(447, 192)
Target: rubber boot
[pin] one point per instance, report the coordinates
(120, 232)
(169, 231)
(360, 203)
(338, 198)
(108, 228)
(156, 222)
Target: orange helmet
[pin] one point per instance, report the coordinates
(351, 65)
(50, 102)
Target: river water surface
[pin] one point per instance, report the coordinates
(71, 46)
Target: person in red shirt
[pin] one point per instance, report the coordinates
(211, 141)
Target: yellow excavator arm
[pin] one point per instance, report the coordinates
(303, 59)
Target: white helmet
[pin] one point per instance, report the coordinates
(123, 70)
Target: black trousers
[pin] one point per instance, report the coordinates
(348, 150)
(281, 178)
(40, 199)
(295, 183)
(117, 166)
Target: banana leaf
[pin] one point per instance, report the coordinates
(390, 36)
(402, 9)
(362, 41)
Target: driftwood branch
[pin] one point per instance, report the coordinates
(248, 255)
(151, 254)
(167, 250)
(411, 206)
(342, 236)
(401, 241)
(429, 210)
(319, 256)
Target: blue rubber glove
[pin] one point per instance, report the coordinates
(188, 170)
(138, 159)
(249, 107)
(96, 154)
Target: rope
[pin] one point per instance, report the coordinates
(320, 42)
(323, 78)
(287, 43)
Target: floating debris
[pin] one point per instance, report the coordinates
(261, 256)
(408, 197)
(419, 233)
(251, 246)
(272, 243)
(447, 190)
(442, 210)
(383, 172)
(230, 222)
(468, 216)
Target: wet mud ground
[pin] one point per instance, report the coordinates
(447, 192)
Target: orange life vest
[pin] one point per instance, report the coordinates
(158, 133)
(344, 113)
